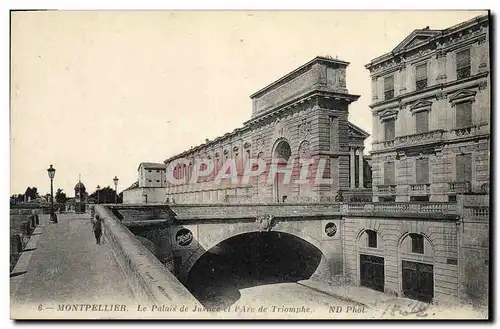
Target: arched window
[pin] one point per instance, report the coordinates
(372, 238)
(417, 243)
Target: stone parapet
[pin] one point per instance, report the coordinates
(149, 280)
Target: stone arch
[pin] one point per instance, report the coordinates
(304, 149)
(200, 250)
(379, 251)
(281, 150)
(427, 258)
(279, 141)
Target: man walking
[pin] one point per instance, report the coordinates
(97, 227)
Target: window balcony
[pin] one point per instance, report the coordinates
(459, 187)
(420, 189)
(463, 132)
(386, 189)
(388, 94)
(419, 139)
(421, 84)
(463, 72)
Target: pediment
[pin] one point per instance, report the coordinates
(415, 38)
(420, 105)
(463, 94)
(388, 113)
(356, 132)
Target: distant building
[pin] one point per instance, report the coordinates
(81, 196)
(431, 115)
(150, 186)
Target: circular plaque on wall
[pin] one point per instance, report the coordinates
(330, 229)
(184, 237)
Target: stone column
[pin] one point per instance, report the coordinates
(351, 171)
(360, 165)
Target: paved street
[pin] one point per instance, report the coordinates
(67, 266)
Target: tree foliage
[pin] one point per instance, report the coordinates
(106, 195)
(60, 196)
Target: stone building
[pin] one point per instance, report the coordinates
(303, 116)
(81, 197)
(150, 186)
(431, 132)
(431, 115)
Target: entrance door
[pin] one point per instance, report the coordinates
(372, 272)
(418, 281)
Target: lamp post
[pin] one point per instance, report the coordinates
(115, 180)
(52, 172)
(97, 192)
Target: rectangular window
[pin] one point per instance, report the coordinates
(463, 64)
(389, 130)
(417, 243)
(464, 168)
(389, 173)
(389, 87)
(372, 239)
(422, 171)
(463, 115)
(421, 77)
(422, 122)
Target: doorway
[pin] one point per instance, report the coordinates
(418, 281)
(372, 272)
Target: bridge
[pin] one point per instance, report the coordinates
(159, 254)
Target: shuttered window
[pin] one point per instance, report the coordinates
(389, 87)
(422, 122)
(389, 173)
(463, 114)
(389, 130)
(422, 171)
(464, 168)
(463, 64)
(421, 77)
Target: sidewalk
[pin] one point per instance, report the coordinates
(63, 264)
(384, 306)
(354, 294)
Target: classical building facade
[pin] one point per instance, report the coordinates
(431, 115)
(431, 142)
(301, 117)
(150, 186)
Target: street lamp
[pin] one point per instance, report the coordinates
(115, 180)
(52, 172)
(97, 190)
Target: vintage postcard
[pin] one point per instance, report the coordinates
(250, 164)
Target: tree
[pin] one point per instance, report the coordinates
(106, 195)
(31, 193)
(61, 196)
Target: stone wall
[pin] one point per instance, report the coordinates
(147, 277)
(153, 195)
(440, 250)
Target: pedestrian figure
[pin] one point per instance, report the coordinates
(97, 227)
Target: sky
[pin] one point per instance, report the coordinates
(95, 93)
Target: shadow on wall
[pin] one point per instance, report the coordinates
(248, 260)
